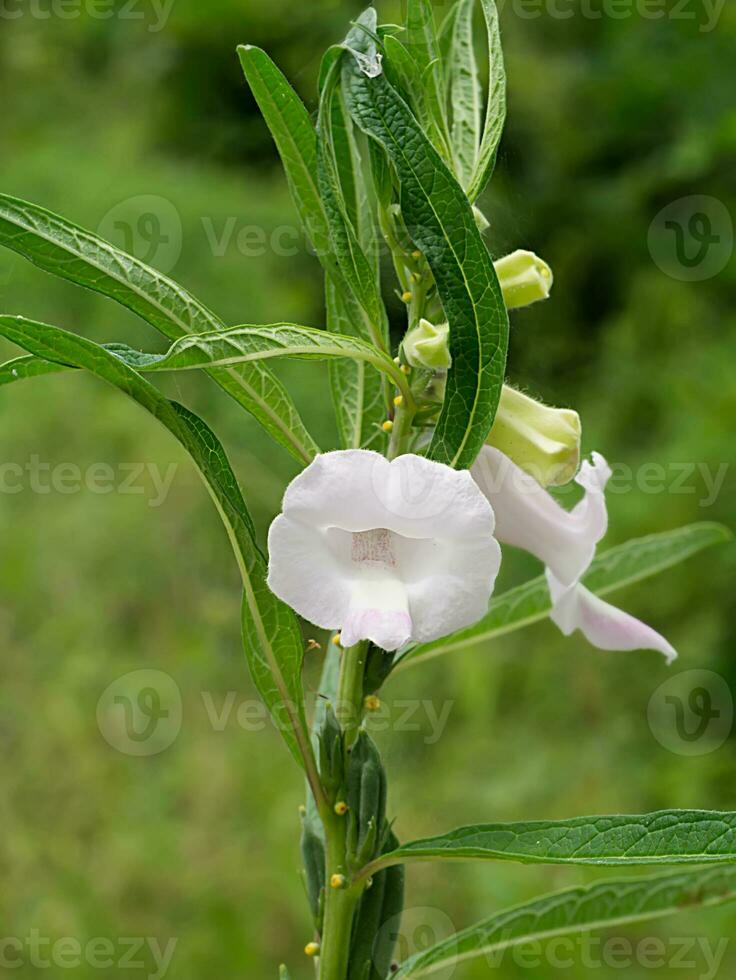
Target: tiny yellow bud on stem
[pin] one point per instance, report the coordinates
(338, 881)
(341, 808)
(372, 703)
(406, 296)
(387, 425)
(416, 255)
(312, 949)
(398, 401)
(337, 639)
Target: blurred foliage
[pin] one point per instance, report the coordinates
(610, 120)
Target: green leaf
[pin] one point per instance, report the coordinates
(602, 905)
(358, 391)
(529, 603)
(65, 250)
(355, 267)
(251, 343)
(495, 107)
(27, 366)
(664, 837)
(441, 223)
(405, 76)
(271, 634)
(423, 45)
(465, 94)
(296, 139)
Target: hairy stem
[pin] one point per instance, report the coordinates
(341, 902)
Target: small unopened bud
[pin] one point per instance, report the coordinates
(399, 401)
(338, 881)
(524, 278)
(428, 346)
(387, 425)
(341, 808)
(337, 639)
(406, 296)
(312, 949)
(405, 369)
(543, 441)
(372, 703)
(416, 255)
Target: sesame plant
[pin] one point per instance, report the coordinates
(391, 541)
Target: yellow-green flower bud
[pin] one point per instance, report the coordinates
(524, 278)
(428, 346)
(543, 441)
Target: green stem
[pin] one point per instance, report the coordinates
(340, 903)
(401, 432)
(349, 707)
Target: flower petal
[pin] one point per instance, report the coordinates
(602, 624)
(305, 573)
(386, 551)
(378, 611)
(528, 517)
(449, 587)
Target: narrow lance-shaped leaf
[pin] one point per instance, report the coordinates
(495, 107)
(252, 343)
(465, 94)
(664, 837)
(620, 566)
(441, 223)
(423, 45)
(296, 139)
(602, 905)
(272, 638)
(358, 390)
(354, 265)
(65, 250)
(27, 366)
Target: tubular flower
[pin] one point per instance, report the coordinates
(528, 517)
(385, 551)
(543, 441)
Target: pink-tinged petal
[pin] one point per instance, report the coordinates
(387, 551)
(603, 625)
(530, 518)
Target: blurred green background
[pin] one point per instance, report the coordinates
(612, 119)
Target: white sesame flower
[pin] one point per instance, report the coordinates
(391, 552)
(528, 517)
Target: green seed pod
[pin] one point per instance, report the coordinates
(366, 925)
(393, 906)
(366, 799)
(378, 665)
(331, 753)
(313, 858)
(376, 924)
